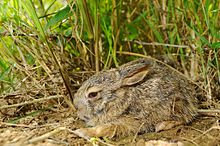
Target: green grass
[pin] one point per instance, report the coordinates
(37, 36)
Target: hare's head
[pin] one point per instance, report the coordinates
(99, 93)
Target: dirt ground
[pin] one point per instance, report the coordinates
(41, 117)
(53, 127)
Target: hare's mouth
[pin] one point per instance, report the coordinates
(83, 117)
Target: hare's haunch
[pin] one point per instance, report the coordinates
(140, 96)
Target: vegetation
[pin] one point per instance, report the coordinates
(101, 31)
(42, 40)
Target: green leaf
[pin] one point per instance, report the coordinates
(86, 16)
(30, 9)
(154, 28)
(60, 15)
(3, 65)
(216, 45)
(186, 3)
(133, 32)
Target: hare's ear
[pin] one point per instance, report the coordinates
(135, 77)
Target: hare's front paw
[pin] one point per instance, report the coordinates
(165, 125)
(98, 131)
(85, 133)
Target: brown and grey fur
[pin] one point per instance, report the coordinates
(135, 97)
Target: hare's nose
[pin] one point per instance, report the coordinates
(75, 105)
(83, 117)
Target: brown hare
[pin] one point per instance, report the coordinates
(141, 96)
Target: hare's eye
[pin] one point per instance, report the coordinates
(92, 94)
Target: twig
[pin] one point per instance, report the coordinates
(207, 131)
(26, 126)
(45, 136)
(161, 44)
(189, 140)
(90, 139)
(200, 131)
(136, 134)
(16, 125)
(103, 142)
(30, 102)
(209, 111)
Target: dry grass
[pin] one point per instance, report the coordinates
(48, 48)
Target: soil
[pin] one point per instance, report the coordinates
(53, 127)
(51, 122)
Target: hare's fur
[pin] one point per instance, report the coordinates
(135, 97)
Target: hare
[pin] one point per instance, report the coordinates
(141, 96)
